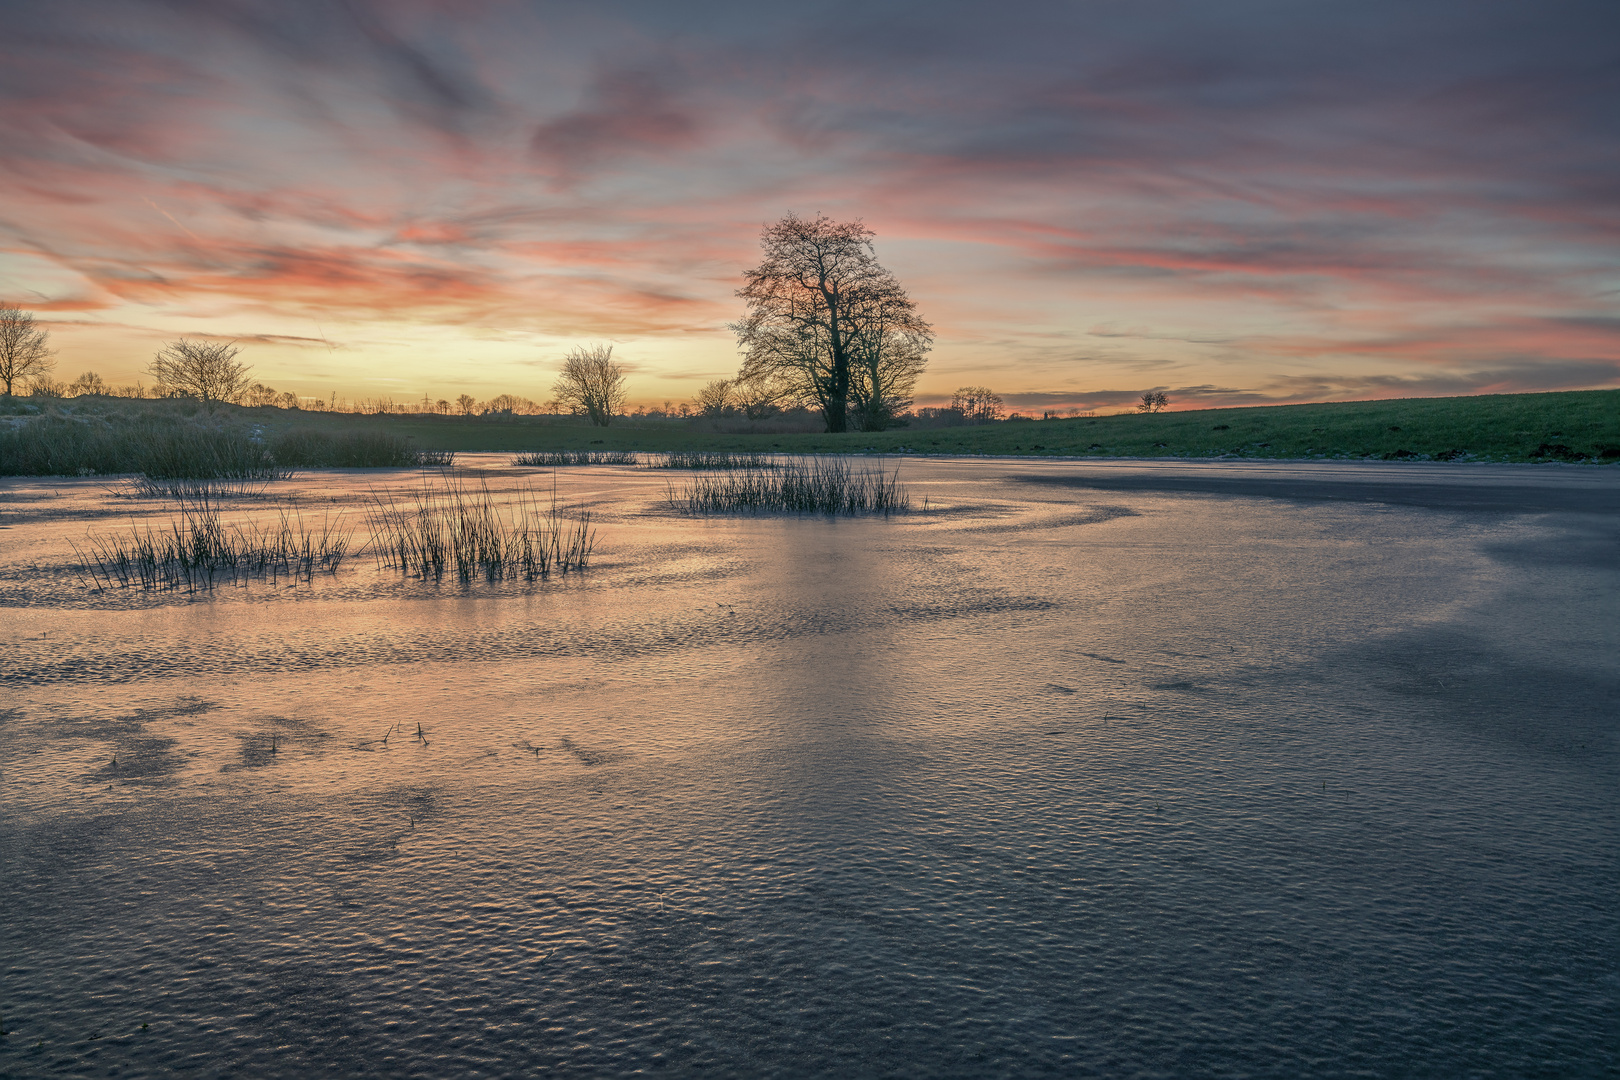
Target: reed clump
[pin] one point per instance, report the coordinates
(311, 448)
(198, 551)
(162, 447)
(807, 486)
(146, 487)
(549, 459)
(175, 444)
(455, 529)
(711, 459)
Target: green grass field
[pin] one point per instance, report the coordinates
(1579, 425)
(1572, 425)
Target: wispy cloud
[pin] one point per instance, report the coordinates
(1250, 200)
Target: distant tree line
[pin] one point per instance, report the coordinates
(828, 331)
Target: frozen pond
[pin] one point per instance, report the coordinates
(1127, 770)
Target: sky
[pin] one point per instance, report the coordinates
(1234, 201)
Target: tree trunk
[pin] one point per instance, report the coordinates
(837, 410)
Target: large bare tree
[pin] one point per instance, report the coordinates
(23, 347)
(205, 370)
(826, 317)
(591, 383)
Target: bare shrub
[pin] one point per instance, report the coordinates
(205, 370)
(591, 383)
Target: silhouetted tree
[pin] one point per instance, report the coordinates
(259, 395)
(509, 403)
(824, 316)
(1152, 401)
(23, 347)
(88, 383)
(591, 383)
(763, 394)
(466, 403)
(716, 398)
(977, 404)
(207, 371)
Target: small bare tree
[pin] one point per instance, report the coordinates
(23, 350)
(1152, 401)
(207, 371)
(88, 383)
(259, 395)
(591, 383)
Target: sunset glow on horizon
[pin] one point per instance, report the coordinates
(1242, 203)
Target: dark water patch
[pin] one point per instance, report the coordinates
(1578, 545)
(134, 756)
(588, 756)
(1532, 703)
(257, 750)
(1094, 515)
(1495, 495)
(1182, 685)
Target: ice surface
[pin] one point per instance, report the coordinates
(1086, 770)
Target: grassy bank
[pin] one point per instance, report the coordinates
(1503, 427)
(174, 440)
(1567, 426)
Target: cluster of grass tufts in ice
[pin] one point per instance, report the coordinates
(453, 528)
(146, 487)
(806, 486)
(711, 459)
(198, 551)
(550, 459)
